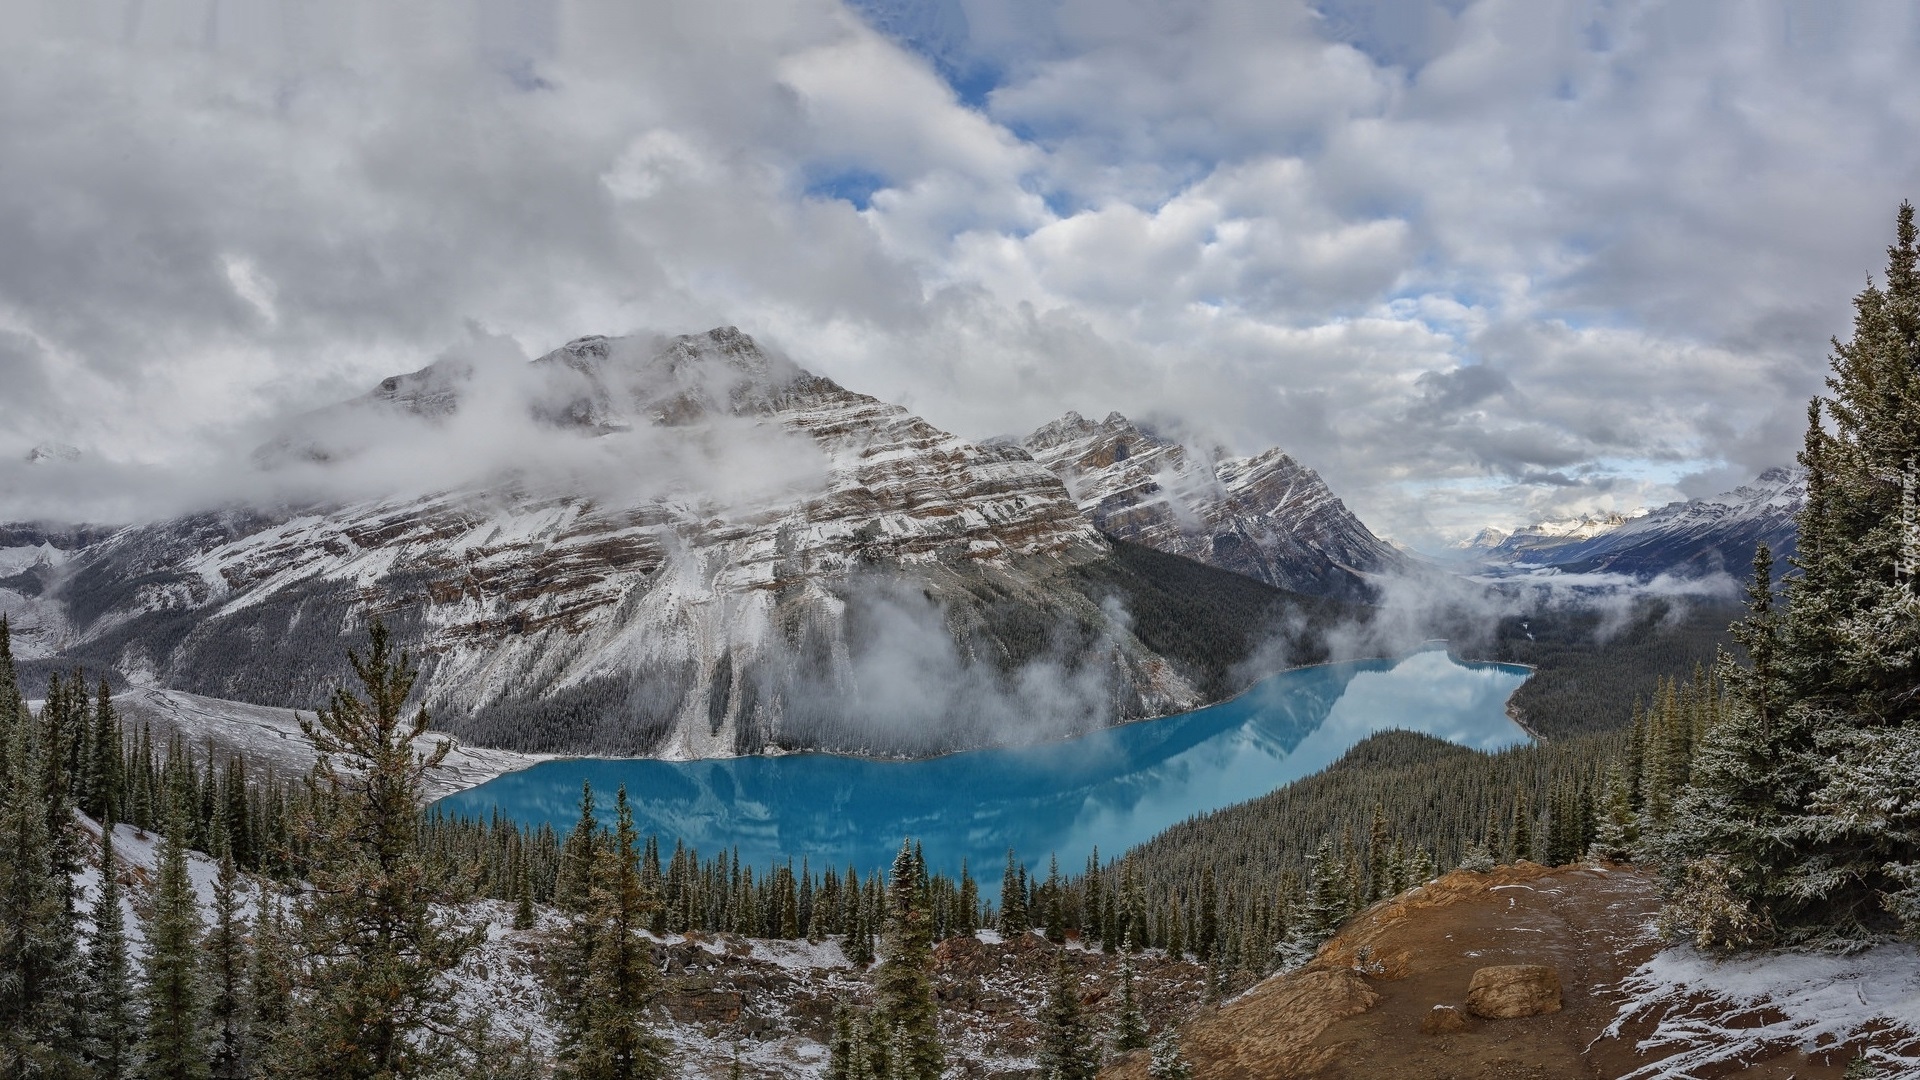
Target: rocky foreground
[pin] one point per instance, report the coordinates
(1537, 972)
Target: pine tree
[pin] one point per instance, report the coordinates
(1066, 1041)
(1169, 1061)
(1129, 1027)
(110, 1019)
(377, 948)
(903, 991)
(227, 976)
(174, 1046)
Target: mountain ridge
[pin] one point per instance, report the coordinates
(789, 565)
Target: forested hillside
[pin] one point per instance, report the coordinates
(1593, 665)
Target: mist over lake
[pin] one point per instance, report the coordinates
(1112, 789)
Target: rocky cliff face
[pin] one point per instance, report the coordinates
(701, 550)
(1268, 516)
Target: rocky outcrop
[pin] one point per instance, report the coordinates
(1267, 516)
(1510, 991)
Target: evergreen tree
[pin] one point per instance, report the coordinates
(1129, 1027)
(1617, 833)
(903, 991)
(1055, 922)
(613, 1040)
(104, 789)
(175, 1043)
(40, 978)
(1169, 1061)
(110, 1019)
(522, 899)
(578, 857)
(227, 976)
(1066, 1040)
(269, 995)
(377, 944)
(1324, 909)
(1014, 919)
(969, 920)
(1209, 930)
(844, 1049)
(1807, 791)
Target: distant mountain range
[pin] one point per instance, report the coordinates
(702, 549)
(1692, 538)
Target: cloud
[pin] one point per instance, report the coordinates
(1476, 262)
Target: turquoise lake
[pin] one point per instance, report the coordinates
(1113, 788)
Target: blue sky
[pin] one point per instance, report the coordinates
(1477, 262)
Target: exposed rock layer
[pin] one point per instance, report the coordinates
(1268, 516)
(706, 551)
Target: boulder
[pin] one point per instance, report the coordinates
(1444, 1020)
(1514, 990)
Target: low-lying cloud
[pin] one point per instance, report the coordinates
(1479, 262)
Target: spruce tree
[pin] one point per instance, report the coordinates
(105, 790)
(174, 1046)
(903, 990)
(1169, 1062)
(1208, 935)
(269, 989)
(1014, 919)
(227, 976)
(40, 977)
(1129, 1027)
(1055, 921)
(613, 1040)
(110, 1018)
(1066, 1040)
(377, 942)
(1808, 789)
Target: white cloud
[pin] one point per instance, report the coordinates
(1474, 261)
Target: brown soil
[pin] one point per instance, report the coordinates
(1355, 1013)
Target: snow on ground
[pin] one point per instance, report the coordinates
(269, 737)
(1717, 1013)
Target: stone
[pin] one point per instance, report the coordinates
(1444, 1020)
(1514, 990)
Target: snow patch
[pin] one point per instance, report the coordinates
(1710, 1012)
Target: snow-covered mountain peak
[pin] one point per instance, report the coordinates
(1265, 516)
(52, 453)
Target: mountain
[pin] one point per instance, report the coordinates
(683, 547)
(1692, 538)
(1537, 542)
(1267, 517)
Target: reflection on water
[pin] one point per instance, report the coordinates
(1114, 788)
